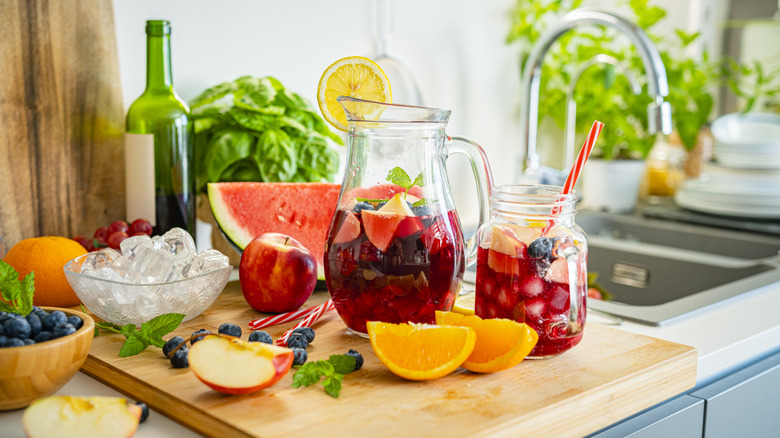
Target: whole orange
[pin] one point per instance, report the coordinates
(46, 256)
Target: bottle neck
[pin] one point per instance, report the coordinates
(158, 63)
(533, 204)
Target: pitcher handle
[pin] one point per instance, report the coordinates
(484, 180)
(573, 256)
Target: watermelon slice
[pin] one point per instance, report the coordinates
(303, 211)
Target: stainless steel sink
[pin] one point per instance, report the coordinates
(658, 271)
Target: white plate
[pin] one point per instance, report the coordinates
(685, 200)
(739, 130)
(748, 162)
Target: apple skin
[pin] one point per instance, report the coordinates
(232, 366)
(277, 273)
(79, 417)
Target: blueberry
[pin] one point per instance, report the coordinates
(41, 313)
(53, 320)
(14, 342)
(17, 328)
(75, 321)
(297, 340)
(360, 206)
(43, 336)
(28, 341)
(381, 204)
(179, 358)
(193, 340)
(63, 330)
(541, 248)
(144, 412)
(422, 210)
(172, 344)
(308, 332)
(358, 358)
(35, 324)
(260, 336)
(300, 356)
(230, 330)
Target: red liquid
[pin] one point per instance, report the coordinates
(520, 293)
(416, 275)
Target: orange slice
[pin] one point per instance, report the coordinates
(420, 351)
(501, 343)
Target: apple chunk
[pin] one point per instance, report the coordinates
(349, 230)
(397, 205)
(232, 366)
(380, 227)
(81, 417)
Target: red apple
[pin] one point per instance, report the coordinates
(67, 416)
(277, 273)
(232, 366)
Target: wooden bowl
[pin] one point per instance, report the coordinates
(39, 370)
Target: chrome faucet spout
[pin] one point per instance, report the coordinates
(659, 111)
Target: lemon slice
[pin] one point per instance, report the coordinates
(354, 76)
(464, 304)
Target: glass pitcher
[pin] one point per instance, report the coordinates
(395, 250)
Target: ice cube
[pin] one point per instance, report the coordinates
(98, 259)
(121, 265)
(532, 286)
(150, 266)
(106, 273)
(210, 260)
(130, 245)
(180, 244)
(159, 244)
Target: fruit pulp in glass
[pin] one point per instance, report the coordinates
(533, 290)
(418, 272)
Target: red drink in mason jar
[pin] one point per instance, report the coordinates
(531, 268)
(393, 264)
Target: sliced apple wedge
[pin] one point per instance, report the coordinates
(397, 204)
(232, 366)
(504, 240)
(380, 227)
(350, 229)
(81, 417)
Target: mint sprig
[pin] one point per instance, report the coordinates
(17, 295)
(332, 369)
(150, 333)
(399, 177)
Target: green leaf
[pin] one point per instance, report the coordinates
(342, 363)
(127, 330)
(17, 294)
(399, 177)
(307, 375)
(686, 38)
(254, 92)
(419, 202)
(253, 120)
(418, 181)
(9, 282)
(214, 93)
(276, 158)
(160, 326)
(333, 385)
(226, 148)
(104, 325)
(133, 345)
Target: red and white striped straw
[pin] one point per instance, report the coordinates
(308, 321)
(575, 171)
(281, 318)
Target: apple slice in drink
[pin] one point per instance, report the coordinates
(380, 227)
(350, 229)
(232, 366)
(81, 417)
(505, 250)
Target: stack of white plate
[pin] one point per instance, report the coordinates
(745, 181)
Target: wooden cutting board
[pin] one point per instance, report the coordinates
(612, 374)
(61, 119)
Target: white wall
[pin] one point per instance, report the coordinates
(455, 48)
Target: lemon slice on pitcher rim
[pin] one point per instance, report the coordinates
(354, 76)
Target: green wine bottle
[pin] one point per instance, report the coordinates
(160, 181)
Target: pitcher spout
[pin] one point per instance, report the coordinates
(359, 110)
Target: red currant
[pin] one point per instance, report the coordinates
(140, 226)
(116, 238)
(118, 226)
(101, 234)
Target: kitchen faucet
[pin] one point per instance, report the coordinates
(659, 112)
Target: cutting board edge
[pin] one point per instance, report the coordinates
(136, 389)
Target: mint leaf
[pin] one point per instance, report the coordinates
(418, 181)
(110, 326)
(399, 177)
(17, 294)
(160, 326)
(127, 330)
(333, 385)
(342, 363)
(134, 344)
(421, 201)
(307, 375)
(370, 200)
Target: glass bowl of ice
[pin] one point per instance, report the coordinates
(149, 277)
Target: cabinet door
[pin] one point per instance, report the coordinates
(682, 417)
(744, 404)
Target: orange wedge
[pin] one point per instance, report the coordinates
(420, 351)
(501, 343)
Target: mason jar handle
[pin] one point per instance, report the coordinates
(573, 260)
(484, 180)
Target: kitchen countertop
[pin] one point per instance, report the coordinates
(726, 336)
